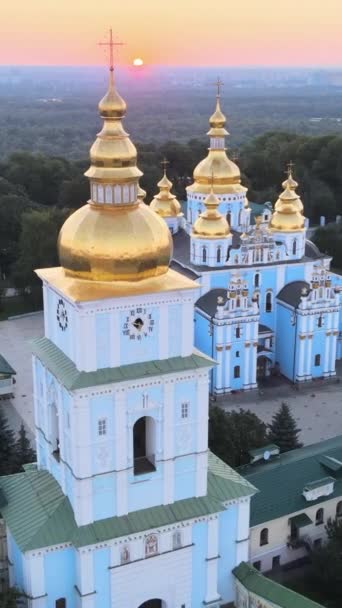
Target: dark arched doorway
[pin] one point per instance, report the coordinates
(152, 604)
(144, 440)
(263, 367)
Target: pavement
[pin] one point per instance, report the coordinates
(316, 406)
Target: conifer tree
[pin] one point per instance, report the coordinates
(283, 430)
(7, 446)
(23, 451)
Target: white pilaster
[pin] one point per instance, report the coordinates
(115, 334)
(85, 582)
(212, 559)
(168, 443)
(164, 332)
(121, 452)
(242, 532)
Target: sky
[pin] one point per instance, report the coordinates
(173, 32)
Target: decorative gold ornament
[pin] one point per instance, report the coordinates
(211, 224)
(287, 216)
(165, 203)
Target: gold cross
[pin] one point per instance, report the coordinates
(164, 163)
(289, 169)
(111, 44)
(219, 85)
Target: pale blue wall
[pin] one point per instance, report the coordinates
(102, 575)
(227, 552)
(60, 577)
(285, 343)
(17, 560)
(103, 336)
(199, 564)
(185, 477)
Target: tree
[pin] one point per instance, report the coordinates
(37, 246)
(9, 598)
(12, 206)
(7, 447)
(23, 451)
(233, 434)
(283, 430)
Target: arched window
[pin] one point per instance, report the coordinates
(54, 431)
(177, 539)
(151, 545)
(317, 360)
(264, 537)
(268, 305)
(60, 603)
(339, 509)
(294, 247)
(218, 255)
(144, 441)
(204, 255)
(238, 302)
(237, 371)
(238, 332)
(319, 517)
(256, 279)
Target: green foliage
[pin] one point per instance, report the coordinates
(233, 434)
(9, 598)
(283, 430)
(23, 453)
(37, 247)
(13, 452)
(329, 240)
(12, 206)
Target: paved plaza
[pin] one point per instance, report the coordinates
(317, 406)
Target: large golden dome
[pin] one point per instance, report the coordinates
(114, 237)
(286, 216)
(165, 203)
(227, 178)
(210, 223)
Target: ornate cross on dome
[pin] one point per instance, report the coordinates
(111, 44)
(219, 85)
(289, 169)
(164, 163)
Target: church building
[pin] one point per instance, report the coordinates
(126, 506)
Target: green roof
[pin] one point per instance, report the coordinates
(281, 481)
(301, 520)
(67, 373)
(5, 367)
(269, 590)
(313, 485)
(271, 447)
(38, 514)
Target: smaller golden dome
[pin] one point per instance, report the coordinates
(292, 185)
(112, 105)
(165, 203)
(217, 121)
(286, 216)
(210, 223)
(141, 193)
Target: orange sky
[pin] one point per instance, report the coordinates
(174, 32)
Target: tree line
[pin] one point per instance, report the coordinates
(38, 192)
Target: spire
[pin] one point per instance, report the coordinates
(287, 216)
(112, 105)
(165, 203)
(218, 119)
(291, 183)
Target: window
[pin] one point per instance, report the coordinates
(177, 539)
(238, 332)
(237, 371)
(185, 410)
(317, 360)
(317, 543)
(144, 439)
(218, 255)
(237, 354)
(151, 545)
(319, 517)
(339, 509)
(60, 603)
(264, 537)
(276, 561)
(256, 279)
(124, 555)
(268, 306)
(294, 247)
(257, 565)
(102, 426)
(204, 255)
(320, 321)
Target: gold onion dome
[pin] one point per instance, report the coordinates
(227, 178)
(118, 241)
(165, 203)
(292, 185)
(287, 216)
(210, 223)
(141, 193)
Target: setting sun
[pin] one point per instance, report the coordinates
(138, 62)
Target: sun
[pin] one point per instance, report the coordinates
(138, 62)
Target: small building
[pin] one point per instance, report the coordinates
(7, 379)
(299, 491)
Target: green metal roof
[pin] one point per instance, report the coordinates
(313, 485)
(301, 520)
(271, 447)
(39, 515)
(281, 481)
(67, 373)
(5, 367)
(279, 596)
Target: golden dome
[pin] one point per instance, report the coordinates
(227, 178)
(210, 223)
(122, 240)
(286, 216)
(165, 203)
(141, 193)
(292, 185)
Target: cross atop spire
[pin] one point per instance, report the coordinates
(289, 169)
(111, 44)
(164, 163)
(219, 85)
